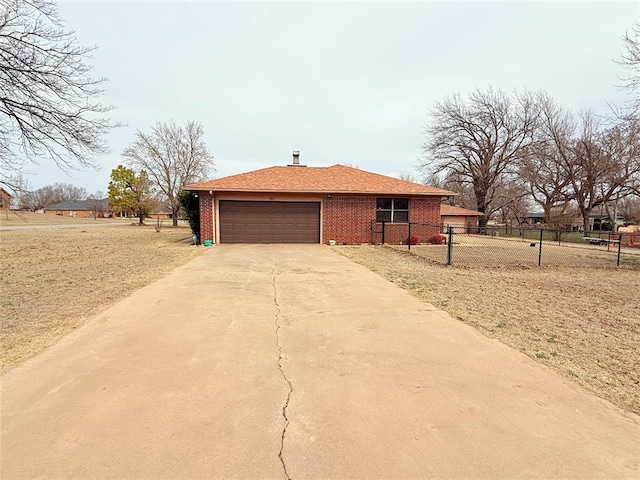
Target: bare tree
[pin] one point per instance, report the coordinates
(543, 175)
(480, 140)
(630, 59)
(629, 208)
(600, 164)
(172, 156)
(66, 191)
(21, 190)
(98, 202)
(511, 202)
(40, 198)
(408, 177)
(621, 142)
(465, 197)
(47, 94)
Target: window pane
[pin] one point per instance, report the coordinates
(401, 203)
(383, 215)
(400, 216)
(384, 203)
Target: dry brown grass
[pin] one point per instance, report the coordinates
(485, 251)
(583, 323)
(54, 279)
(21, 219)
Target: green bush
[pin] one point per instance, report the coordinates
(191, 207)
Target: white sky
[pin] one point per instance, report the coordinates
(341, 82)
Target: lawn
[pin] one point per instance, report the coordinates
(54, 279)
(22, 219)
(487, 251)
(582, 322)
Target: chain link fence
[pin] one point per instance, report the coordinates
(513, 246)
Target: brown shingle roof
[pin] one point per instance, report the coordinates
(451, 210)
(300, 179)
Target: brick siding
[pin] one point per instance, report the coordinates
(351, 220)
(206, 216)
(348, 219)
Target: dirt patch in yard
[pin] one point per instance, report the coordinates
(583, 323)
(54, 279)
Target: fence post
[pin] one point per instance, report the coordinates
(609, 243)
(619, 247)
(409, 239)
(383, 232)
(540, 247)
(449, 244)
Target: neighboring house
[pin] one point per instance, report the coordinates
(160, 214)
(299, 204)
(459, 217)
(534, 218)
(81, 208)
(5, 199)
(597, 221)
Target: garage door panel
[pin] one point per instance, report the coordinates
(269, 222)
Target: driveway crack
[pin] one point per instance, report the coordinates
(284, 376)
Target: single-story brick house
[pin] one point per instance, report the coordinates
(459, 217)
(160, 213)
(299, 204)
(91, 208)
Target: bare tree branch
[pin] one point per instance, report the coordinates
(47, 107)
(630, 60)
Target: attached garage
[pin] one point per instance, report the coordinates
(269, 222)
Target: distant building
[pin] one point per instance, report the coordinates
(5, 199)
(459, 217)
(160, 213)
(597, 221)
(91, 208)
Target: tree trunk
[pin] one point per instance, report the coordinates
(481, 207)
(174, 216)
(141, 219)
(482, 223)
(585, 220)
(546, 208)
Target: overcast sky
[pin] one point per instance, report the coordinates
(341, 82)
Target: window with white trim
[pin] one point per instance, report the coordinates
(395, 210)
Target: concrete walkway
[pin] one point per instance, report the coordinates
(276, 362)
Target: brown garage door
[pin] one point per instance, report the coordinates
(269, 222)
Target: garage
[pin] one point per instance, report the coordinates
(269, 222)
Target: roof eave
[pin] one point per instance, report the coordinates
(194, 188)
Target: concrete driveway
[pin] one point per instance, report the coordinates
(292, 361)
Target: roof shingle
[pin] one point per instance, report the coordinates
(301, 179)
(91, 204)
(451, 210)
